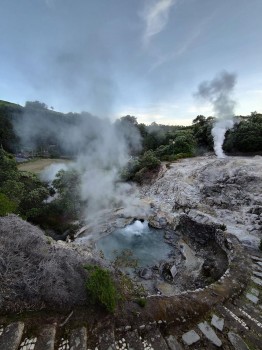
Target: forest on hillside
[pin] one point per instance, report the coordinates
(166, 141)
(37, 131)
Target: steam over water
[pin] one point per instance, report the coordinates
(146, 244)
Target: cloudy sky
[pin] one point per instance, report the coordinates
(139, 57)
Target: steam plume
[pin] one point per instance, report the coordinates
(217, 92)
(101, 148)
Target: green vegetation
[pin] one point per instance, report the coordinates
(6, 205)
(101, 288)
(141, 302)
(22, 192)
(246, 136)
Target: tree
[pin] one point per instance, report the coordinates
(130, 119)
(35, 105)
(67, 184)
(6, 205)
(246, 136)
(149, 160)
(202, 131)
(8, 169)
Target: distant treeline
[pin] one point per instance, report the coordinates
(18, 125)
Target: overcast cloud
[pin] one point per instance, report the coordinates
(115, 57)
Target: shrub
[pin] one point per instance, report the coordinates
(6, 205)
(223, 227)
(141, 302)
(101, 287)
(36, 272)
(149, 160)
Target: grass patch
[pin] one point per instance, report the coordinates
(101, 288)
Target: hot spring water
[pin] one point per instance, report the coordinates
(146, 244)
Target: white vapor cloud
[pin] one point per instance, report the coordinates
(156, 17)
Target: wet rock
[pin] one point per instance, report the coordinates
(146, 273)
(173, 271)
(166, 272)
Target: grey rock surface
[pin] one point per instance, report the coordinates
(46, 339)
(217, 322)
(173, 343)
(190, 337)
(237, 342)
(257, 274)
(209, 189)
(209, 333)
(255, 292)
(12, 335)
(78, 339)
(252, 298)
(257, 280)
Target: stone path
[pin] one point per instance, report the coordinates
(234, 325)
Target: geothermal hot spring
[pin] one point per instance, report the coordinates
(163, 261)
(138, 242)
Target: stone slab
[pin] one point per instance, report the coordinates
(190, 337)
(257, 274)
(255, 292)
(217, 322)
(78, 339)
(257, 280)
(252, 298)
(173, 343)
(46, 339)
(256, 258)
(209, 333)
(237, 342)
(12, 335)
(257, 268)
(259, 263)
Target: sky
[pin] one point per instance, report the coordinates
(140, 57)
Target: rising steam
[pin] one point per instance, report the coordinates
(100, 148)
(218, 92)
